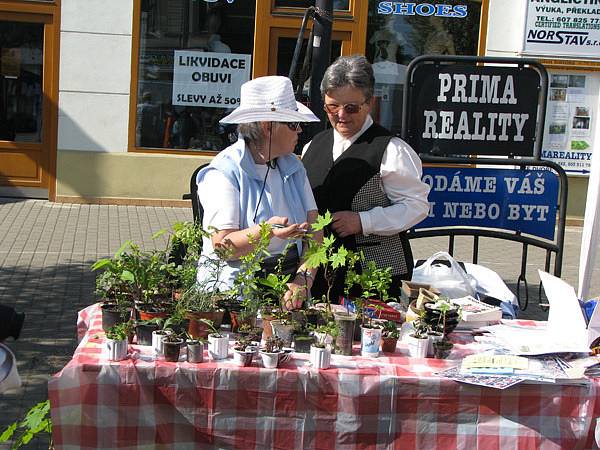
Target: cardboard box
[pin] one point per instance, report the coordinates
(411, 289)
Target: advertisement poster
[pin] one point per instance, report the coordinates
(459, 109)
(209, 79)
(569, 130)
(568, 28)
(509, 199)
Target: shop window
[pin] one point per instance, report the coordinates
(193, 57)
(398, 32)
(339, 5)
(21, 65)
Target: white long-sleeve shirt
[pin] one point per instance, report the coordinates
(400, 173)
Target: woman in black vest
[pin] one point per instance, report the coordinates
(369, 179)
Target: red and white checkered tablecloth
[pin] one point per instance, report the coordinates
(391, 402)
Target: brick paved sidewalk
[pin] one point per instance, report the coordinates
(46, 250)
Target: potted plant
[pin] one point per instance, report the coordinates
(327, 255)
(113, 290)
(270, 353)
(172, 343)
(303, 338)
(199, 302)
(151, 279)
(370, 337)
(443, 347)
(326, 334)
(194, 349)
(389, 337)
(243, 352)
(246, 287)
(441, 314)
(144, 329)
(345, 322)
(418, 340)
(158, 335)
(364, 281)
(320, 352)
(252, 333)
(218, 343)
(117, 341)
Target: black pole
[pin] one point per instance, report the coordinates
(321, 56)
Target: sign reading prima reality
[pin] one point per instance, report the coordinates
(569, 28)
(461, 109)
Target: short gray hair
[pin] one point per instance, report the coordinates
(353, 71)
(252, 133)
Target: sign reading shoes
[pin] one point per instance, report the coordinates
(563, 28)
(464, 109)
(422, 9)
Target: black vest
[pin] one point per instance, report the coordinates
(353, 183)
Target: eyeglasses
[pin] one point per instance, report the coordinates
(349, 108)
(294, 126)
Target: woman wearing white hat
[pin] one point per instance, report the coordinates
(259, 179)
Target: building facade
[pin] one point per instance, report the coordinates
(118, 101)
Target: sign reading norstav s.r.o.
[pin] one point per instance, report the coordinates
(209, 79)
(569, 28)
(516, 200)
(460, 109)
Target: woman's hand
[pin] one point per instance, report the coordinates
(297, 292)
(282, 230)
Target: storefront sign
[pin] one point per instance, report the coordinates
(462, 109)
(569, 28)
(509, 199)
(209, 79)
(569, 134)
(422, 9)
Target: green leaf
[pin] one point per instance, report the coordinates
(159, 233)
(7, 434)
(316, 259)
(122, 248)
(101, 263)
(127, 276)
(322, 221)
(37, 414)
(338, 259)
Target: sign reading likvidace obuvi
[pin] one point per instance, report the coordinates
(209, 79)
(569, 28)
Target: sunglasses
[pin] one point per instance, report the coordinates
(349, 108)
(294, 126)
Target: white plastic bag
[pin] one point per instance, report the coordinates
(451, 281)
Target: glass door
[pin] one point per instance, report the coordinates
(25, 82)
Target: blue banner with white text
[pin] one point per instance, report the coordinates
(516, 200)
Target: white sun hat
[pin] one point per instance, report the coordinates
(269, 99)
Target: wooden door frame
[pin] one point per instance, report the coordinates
(268, 18)
(276, 33)
(47, 13)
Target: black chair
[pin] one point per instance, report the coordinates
(178, 250)
(197, 209)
